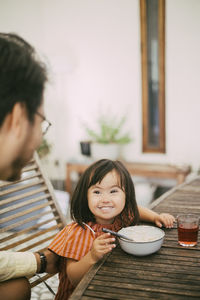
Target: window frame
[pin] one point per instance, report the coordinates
(161, 148)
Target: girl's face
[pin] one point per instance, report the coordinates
(106, 200)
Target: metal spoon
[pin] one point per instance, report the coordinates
(117, 234)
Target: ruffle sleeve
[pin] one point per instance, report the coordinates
(72, 241)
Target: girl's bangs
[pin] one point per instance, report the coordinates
(98, 174)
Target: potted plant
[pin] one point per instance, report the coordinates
(108, 138)
(44, 149)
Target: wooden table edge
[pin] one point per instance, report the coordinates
(81, 287)
(171, 191)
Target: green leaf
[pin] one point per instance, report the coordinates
(109, 131)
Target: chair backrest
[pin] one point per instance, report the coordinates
(29, 213)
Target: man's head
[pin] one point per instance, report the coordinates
(22, 82)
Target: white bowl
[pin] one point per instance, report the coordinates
(147, 239)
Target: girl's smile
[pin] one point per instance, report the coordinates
(106, 199)
(105, 209)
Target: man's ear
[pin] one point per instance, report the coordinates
(16, 119)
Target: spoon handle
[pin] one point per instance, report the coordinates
(116, 234)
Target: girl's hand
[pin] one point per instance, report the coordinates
(102, 245)
(76, 269)
(164, 219)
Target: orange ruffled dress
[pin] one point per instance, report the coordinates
(75, 242)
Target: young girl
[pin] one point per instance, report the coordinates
(104, 197)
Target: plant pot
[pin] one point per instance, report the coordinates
(109, 151)
(85, 148)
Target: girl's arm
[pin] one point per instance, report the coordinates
(159, 219)
(77, 269)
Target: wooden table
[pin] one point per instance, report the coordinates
(171, 273)
(161, 171)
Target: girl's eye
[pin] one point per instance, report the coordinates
(96, 192)
(114, 191)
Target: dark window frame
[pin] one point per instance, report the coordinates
(146, 147)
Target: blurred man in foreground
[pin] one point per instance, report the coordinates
(22, 84)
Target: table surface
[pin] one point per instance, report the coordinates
(171, 273)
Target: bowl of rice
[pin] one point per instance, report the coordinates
(146, 239)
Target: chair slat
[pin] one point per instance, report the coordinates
(26, 169)
(43, 277)
(23, 213)
(29, 237)
(30, 216)
(30, 167)
(19, 223)
(36, 226)
(36, 174)
(25, 203)
(22, 196)
(49, 238)
(21, 187)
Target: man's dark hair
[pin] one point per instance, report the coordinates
(80, 211)
(22, 76)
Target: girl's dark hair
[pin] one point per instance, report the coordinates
(80, 211)
(22, 76)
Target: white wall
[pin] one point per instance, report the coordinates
(183, 81)
(93, 51)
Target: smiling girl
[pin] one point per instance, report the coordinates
(104, 197)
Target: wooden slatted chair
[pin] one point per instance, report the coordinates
(29, 213)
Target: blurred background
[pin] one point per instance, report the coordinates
(93, 52)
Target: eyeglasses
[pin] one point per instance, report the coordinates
(45, 123)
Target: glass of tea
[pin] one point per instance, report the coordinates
(188, 226)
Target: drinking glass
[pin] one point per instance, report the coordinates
(188, 226)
